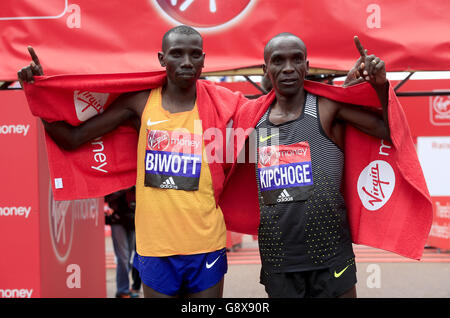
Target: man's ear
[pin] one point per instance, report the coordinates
(161, 59)
(307, 67)
(264, 69)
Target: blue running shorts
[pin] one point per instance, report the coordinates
(182, 274)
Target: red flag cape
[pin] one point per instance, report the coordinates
(397, 219)
(108, 163)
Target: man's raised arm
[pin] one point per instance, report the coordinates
(372, 69)
(27, 73)
(69, 137)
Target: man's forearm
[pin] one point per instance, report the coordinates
(62, 133)
(383, 96)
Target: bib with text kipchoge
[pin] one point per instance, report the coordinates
(285, 173)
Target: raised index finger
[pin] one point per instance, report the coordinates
(359, 46)
(33, 55)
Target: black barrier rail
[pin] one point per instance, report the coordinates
(403, 81)
(4, 85)
(414, 94)
(399, 94)
(255, 85)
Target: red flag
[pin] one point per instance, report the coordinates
(396, 217)
(108, 163)
(388, 203)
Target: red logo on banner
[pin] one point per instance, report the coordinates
(440, 110)
(203, 13)
(61, 227)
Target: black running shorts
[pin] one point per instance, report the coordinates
(323, 283)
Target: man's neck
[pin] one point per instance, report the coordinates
(287, 108)
(291, 103)
(176, 99)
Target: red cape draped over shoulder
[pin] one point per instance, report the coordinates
(108, 163)
(400, 224)
(398, 220)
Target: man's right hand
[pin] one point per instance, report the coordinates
(27, 73)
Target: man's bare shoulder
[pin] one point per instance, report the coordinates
(135, 101)
(137, 96)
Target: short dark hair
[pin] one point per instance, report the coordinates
(180, 29)
(283, 34)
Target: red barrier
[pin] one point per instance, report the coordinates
(430, 116)
(234, 240)
(440, 229)
(49, 248)
(427, 115)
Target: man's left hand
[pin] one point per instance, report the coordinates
(368, 68)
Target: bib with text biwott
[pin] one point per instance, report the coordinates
(173, 160)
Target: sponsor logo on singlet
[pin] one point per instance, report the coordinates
(284, 196)
(173, 160)
(282, 167)
(376, 184)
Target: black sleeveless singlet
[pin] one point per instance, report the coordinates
(303, 222)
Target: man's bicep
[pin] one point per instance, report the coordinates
(71, 137)
(367, 120)
(115, 115)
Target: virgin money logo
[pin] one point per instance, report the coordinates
(376, 184)
(203, 14)
(158, 140)
(440, 110)
(61, 221)
(89, 104)
(268, 156)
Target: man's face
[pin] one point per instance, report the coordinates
(286, 65)
(183, 59)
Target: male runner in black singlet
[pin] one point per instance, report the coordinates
(304, 237)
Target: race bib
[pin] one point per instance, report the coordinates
(173, 160)
(285, 173)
